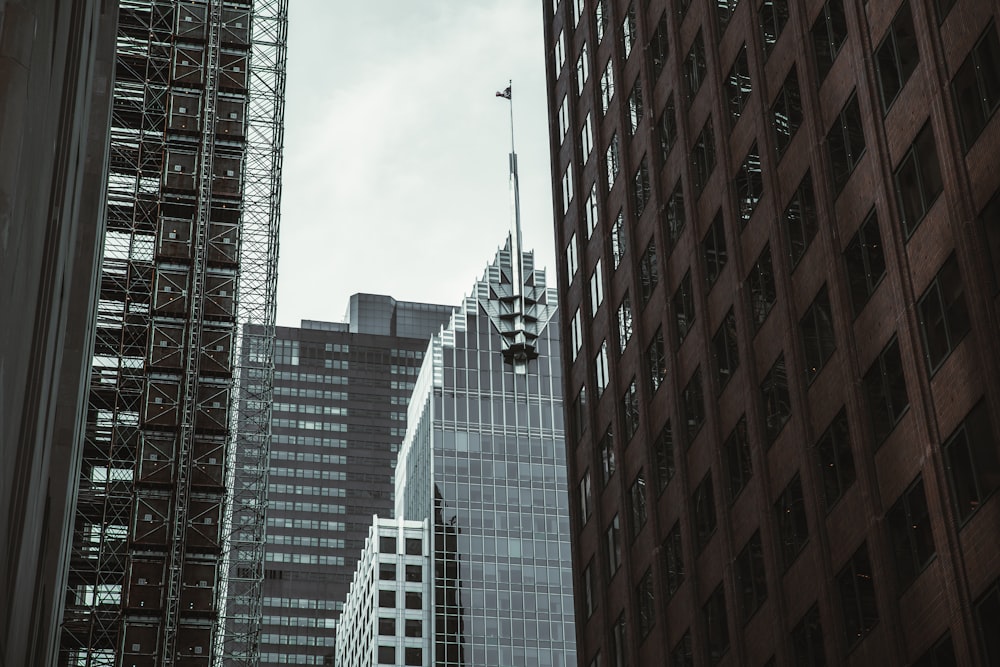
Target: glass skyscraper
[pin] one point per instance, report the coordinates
(484, 461)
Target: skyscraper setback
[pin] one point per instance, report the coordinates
(780, 234)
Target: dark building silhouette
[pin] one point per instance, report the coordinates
(780, 233)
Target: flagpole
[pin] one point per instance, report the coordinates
(517, 261)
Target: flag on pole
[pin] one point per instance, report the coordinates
(505, 94)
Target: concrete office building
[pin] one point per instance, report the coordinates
(781, 231)
(339, 415)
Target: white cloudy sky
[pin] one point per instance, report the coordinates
(395, 172)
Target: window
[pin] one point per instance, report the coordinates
(613, 160)
(624, 323)
(576, 333)
(607, 86)
(386, 627)
(910, 534)
(942, 654)
(414, 573)
(716, 628)
(590, 208)
(836, 463)
(607, 455)
(736, 449)
(807, 641)
(572, 262)
(897, 56)
(387, 655)
(683, 304)
(703, 503)
(387, 571)
(586, 498)
(760, 288)
(683, 653)
(628, 30)
(657, 361)
(943, 7)
(714, 249)
(846, 143)
(645, 604)
(663, 453)
(865, 262)
(987, 621)
(413, 656)
(589, 602)
(563, 120)
(666, 129)
(800, 219)
(649, 274)
(694, 406)
(751, 581)
(749, 184)
(725, 352)
(560, 52)
(885, 388)
(586, 139)
(724, 11)
(944, 318)
(773, 15)
(973, 462)
(776, 399)
(618, 243)
(618, 651)
(793, 531)
(976, 86)
(694, 67)
(637, 503)
(630, 411)
(817, 334)
(703, 157)
(640, 187)
(387, 544)
(582, 68)
(857, 596)
(635, 110)
(596, 289)
(614, 547)
(918, 180)
(567, 187)
(738, 85)
(673, 215)
(413, 600)
(673, 560)
(828, 34)
(387, 599)
(989, 223)
(579, 415)
(601, 18)
(601, 372)
(659, 47)
(786, 113)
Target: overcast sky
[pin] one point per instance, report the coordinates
(395, 173)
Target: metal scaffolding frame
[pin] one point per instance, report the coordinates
(189, 258)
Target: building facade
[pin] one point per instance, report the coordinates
(781, 230)
(484, 463)
(339, 415)
(387, 614)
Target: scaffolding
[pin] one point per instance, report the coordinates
(189, 258)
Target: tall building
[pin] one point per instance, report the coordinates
(56, 62)
(339, 416)
(483, 463)
(189, 254)
(781, 232)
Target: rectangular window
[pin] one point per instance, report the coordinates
(836, 463)
(563, 120)
(786, 113)
(666, 129)
(760, 288)
(897, 56)
(617, 236)
(579, 414)
(630, 411)
(673, 560)
(703, 157)
(659, 47)
(582, 68)
(865, 262)
(601, 372)
(885, 389)
(656, 359)
(387, 627)
(944, 318)
(673, 215)
(749, 183)
(640, 188)
(587, 584)
(973, 461)
(987, 621)
(751, 581)
(714, 249)
(635, 108)
(817, 334)
(942, 654)
(846, 143)
(560, 52)
(807, 641)
(773, 15)
(683, 305)
(857, 597)
(716, 626)
(829, 33)
(776, 399)
(694, 406)
(614, 547)
(738, 85)
(918, 180)
(607, 85)
(649, 274)
(619, 652)
(725, 352)
(608, 465)
(976, 86)
(800, 219)
(567, 187)
(613, 160)
(596, 289)
(586, 139)
(590, 209)
(571, 258)
(586, 498)
(694, 67)
(793, 530)
(637, 503)
(576, 333)
(602, 16)
(703, 504)
(629, 30)
(910, 534)
(724, 11)
(624, 322)
(663, 453)
(736, 450)
(645, 604)
(683, 653)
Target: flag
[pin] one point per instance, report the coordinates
(505, 94)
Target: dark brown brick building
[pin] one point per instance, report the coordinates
(780, 228)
